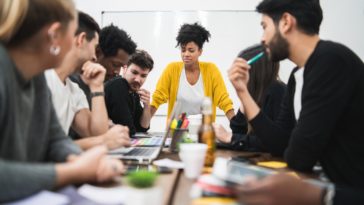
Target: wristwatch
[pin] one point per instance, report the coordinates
(95, 94)
(328, 196)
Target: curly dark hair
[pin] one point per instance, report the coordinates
(192, 33)
(113, 38)
(142, 59)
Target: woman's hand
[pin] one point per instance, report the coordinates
(221, 133)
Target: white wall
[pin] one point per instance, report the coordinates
(343, 22)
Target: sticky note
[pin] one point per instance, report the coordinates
(214, 200)
(273, 164)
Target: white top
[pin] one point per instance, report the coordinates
(298, 75)
(68, 99)
(190, 96)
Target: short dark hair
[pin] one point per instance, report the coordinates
(192, 33)
(142, 59)
(88, 25)
(113, 38)
(263, 73)
(308, 13)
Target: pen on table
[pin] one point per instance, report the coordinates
(255, 58)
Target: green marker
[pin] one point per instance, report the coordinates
(255, 58)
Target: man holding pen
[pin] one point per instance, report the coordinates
(321, 117)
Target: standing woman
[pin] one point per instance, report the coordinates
(35, 153)
(189, 81)
(267, 91)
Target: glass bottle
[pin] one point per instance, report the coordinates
(206, 133)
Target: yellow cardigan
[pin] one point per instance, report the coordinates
(214, 87)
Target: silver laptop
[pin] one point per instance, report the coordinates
(142, 155)
(145, 155)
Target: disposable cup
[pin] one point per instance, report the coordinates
(193, 157)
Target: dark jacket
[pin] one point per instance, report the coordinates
(239, 125)
(123, 105)
(330, 127)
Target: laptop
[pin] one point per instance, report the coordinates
(142, 139)
(153, 141)
(141, 154)
(145, 154)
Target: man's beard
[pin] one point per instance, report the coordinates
(278, 48)
(135, 86)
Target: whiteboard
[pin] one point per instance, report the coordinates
(231, 31)
(156, 31)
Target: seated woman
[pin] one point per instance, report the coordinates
(190, 81)
(35, 153)
(267, 90)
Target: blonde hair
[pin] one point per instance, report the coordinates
(11, 15)
(21, 19)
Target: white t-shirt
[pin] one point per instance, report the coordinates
(68, 99)
(298, 75)
(190, 96)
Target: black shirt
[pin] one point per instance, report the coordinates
(330, 129)
(348, 196)
(238, 124)
(123, 105)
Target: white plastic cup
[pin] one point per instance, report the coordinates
(193, 158)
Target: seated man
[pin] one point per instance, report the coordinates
(321, 116)
(113, 51)
(123, 94)
(69, 100)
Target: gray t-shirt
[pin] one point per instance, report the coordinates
(31, 139)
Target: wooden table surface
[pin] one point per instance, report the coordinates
(182, 192)
(176, 187)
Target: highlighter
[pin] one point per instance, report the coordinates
(179, 123)
(185, 124)
(174, 124)
(255, 58)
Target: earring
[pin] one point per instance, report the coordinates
(55, 50)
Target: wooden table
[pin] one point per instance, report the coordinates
(176, 186)
(182, 192)
(167, 182)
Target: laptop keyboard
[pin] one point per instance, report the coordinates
(153, 141)
(140, 152)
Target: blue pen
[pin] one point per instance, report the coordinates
(255, 58)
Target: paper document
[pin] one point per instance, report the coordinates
(43, 197)
(169, 163)
(113, 195)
